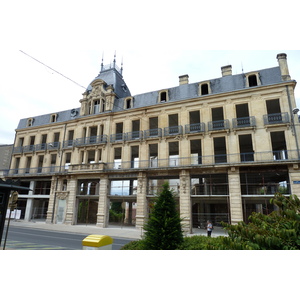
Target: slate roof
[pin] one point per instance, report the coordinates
(187, 91)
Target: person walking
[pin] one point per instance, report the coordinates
(209, 228)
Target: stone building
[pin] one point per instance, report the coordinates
(225, 146)
(5, 156)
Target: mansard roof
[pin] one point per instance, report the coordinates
(113, 76)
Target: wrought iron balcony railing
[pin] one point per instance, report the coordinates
(152, 133)
(243, 122)
(194, 128)
(117, 137)
(218, 125)
(173, 130)
(134, 135)
(276, 118)
(91, 140)
(173, 162)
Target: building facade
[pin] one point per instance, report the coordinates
(225, 146)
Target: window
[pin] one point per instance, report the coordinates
(28, 163)
(96, 106)
(88, 187)
(196, 152)
(30, 122)
(220, 150)
(91, 156)
(173, 154)
(153, 155)
(279, 145)
(163, 96)
(118, 158)
(123, 187)
(134, 156)
(252, 80)
(53, 118)
(128, 102)
(204, 89)
(246, 147)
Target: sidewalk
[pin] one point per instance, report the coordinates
(113, 231)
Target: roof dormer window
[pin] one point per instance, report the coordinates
(53, 118)
(204, 88)
(252, 80)
(163, 96)
(30, 122)
(128, 103)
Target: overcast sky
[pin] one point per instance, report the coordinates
(157, 44)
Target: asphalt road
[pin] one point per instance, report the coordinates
(20, 238)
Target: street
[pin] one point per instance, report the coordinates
(20, 238)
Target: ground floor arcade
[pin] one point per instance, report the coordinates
(228, 195)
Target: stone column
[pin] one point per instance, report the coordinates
(235, 196)
(29, 203)
(103, 205)
(294, 179)
(51, 200)
(71, 212)
(141, 198)
(185, 201)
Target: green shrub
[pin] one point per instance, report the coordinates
(134, 245)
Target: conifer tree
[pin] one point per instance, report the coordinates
(163, 229)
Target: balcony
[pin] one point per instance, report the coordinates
(69, 144)
(173, 130)
(91, 140)
(134, 135)
(175, 161)
(28, 148)
(118, 137)
(153, 133)
(195, 128)
(243, 122)
(17, 150)
(53, 146)
(41, 147)
(279, 118)
(218, 125)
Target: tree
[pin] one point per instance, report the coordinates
(280, 230)
(163, 229)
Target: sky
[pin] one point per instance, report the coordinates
(157, 44)
(158, 41)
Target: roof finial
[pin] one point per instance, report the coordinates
(115, 59)
(122, 66)
(102, 61)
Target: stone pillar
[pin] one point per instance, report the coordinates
(141, 198)
(185, 201)
(51, 200)
(29, 203)
(71, 212)
(103, 205)
(235, 196)
(294, 179)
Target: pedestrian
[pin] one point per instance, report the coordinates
(209, 228)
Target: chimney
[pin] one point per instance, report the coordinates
(284, 69)
(226, 70)
(183, 79)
